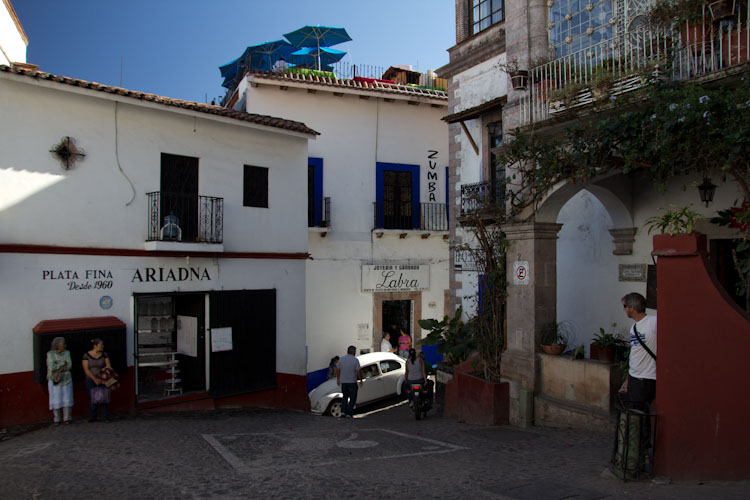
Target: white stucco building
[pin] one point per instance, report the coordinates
(175, 230)
(378, 222)
(13, 40)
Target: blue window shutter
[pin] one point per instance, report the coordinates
(380, 168)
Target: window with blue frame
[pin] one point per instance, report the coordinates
(397, 196)
(576, 25)
(485, 13)
(314, 192)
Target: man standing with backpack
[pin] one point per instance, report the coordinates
(640, 387)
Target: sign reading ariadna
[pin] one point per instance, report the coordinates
(395, 278)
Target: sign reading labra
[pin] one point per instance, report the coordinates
(395, 278)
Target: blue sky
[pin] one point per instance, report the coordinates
(174, 47)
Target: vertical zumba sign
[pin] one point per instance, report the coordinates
(432, 175)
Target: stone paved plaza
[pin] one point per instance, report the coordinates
(283, 454)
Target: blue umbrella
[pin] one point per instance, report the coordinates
(259, 57)
(324, 56)
(317, 36)
(264, 55)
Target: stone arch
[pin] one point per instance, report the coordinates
(615, 194)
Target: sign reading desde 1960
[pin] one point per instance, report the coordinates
(86, 279)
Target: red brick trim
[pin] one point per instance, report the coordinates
(129, 252)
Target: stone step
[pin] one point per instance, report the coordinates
(553, 412)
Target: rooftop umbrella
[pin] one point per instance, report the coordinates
(264, 55)
(317, 36)
(324, 56)
(258, 57)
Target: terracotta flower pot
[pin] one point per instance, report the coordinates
(603, 354)
(554, 349)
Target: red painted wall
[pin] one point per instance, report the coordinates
(473, 400)
(22, 401)
(702, 370)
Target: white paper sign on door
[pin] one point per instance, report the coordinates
(221, 339)
(187, 335)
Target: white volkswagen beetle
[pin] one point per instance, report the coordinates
(383, 375)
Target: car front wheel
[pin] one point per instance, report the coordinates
(334, 409)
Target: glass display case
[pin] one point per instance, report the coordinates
(156, 347)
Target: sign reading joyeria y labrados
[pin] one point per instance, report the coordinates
(395, 278)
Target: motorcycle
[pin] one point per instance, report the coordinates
(421, 398)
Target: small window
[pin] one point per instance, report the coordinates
(485, 13)
(255, 187)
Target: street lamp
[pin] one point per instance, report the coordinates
(706, 190)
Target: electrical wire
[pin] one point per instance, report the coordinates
(117, 158)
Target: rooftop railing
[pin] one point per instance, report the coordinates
(690, 49)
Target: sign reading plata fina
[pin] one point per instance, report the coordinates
(395, 278)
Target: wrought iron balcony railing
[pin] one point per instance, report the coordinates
(416, 216)
(185, 218)
(324, 218)
(690, 49)
(479, 196)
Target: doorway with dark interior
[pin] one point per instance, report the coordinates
(397, 315)
(179, 193)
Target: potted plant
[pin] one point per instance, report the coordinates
(721, 9)
(555, 336)
(602, 79)
(605, 345)
(518, 77)
(674, 220)
(565, 97)
(456, 341)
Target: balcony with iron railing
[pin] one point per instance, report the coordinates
(691, 49)
(320, 221)
(480, 198)
(180, 218)
(408, 216)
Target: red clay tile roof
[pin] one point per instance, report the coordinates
(375, 86)
(268, 121)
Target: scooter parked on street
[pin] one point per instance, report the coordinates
(421, 395)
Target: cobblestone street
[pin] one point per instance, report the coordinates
(281, 454)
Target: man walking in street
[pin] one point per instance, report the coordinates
(348, 373)
(639, 388)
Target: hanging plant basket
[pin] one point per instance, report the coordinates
(519, 79)
(721, 9)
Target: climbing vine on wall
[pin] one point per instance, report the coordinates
(674, 129)
(667, 129)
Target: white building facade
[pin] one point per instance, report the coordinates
(13, 40)
(173, 230)
(378, 220)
